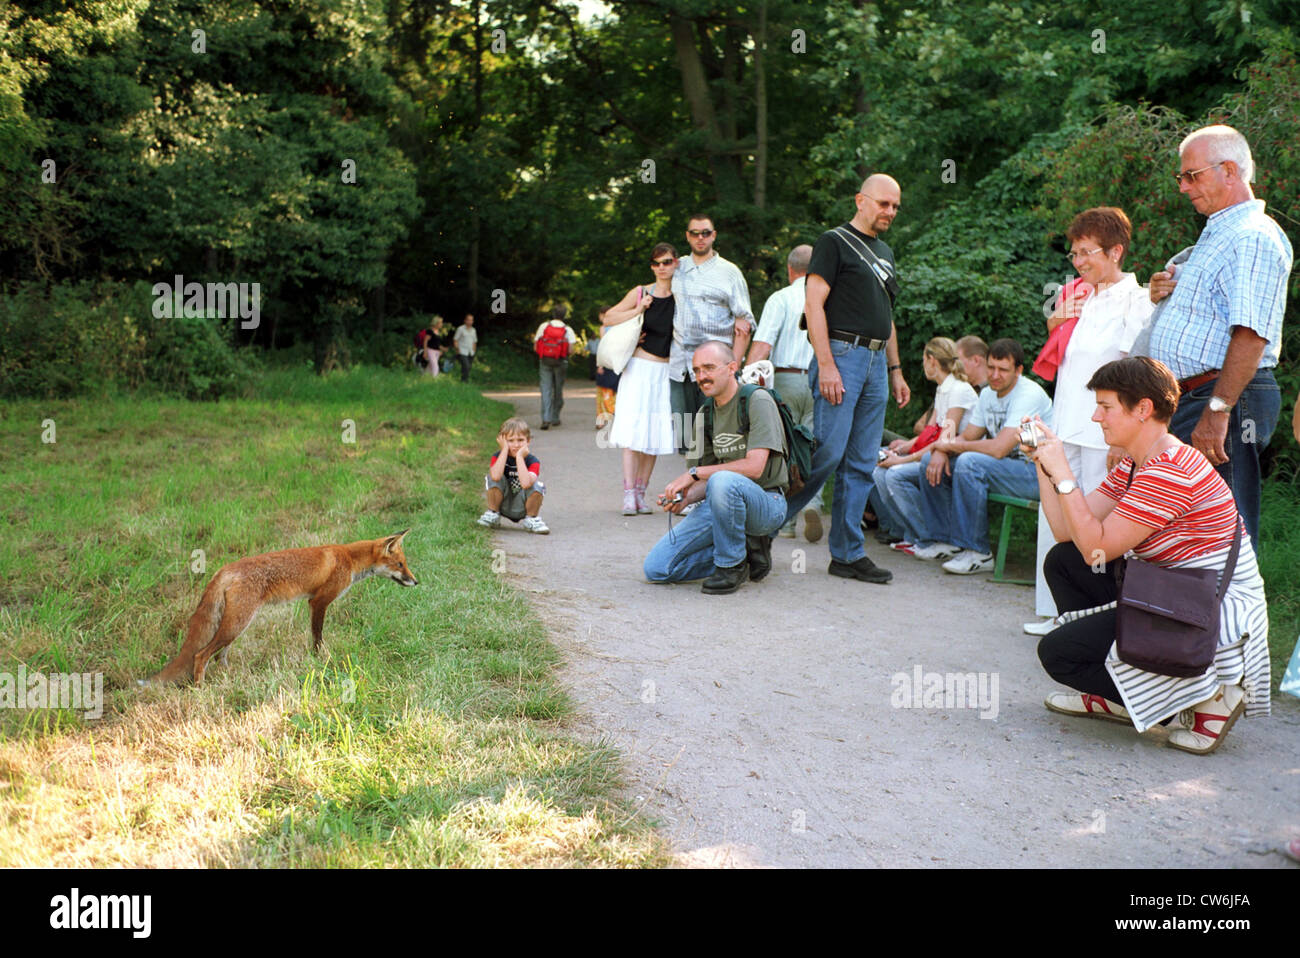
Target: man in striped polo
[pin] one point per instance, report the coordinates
(711, 302)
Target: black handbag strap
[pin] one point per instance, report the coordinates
(1231, 566)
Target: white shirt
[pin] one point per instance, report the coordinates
(709, 298)
(1108, 324)
(954, 394)
(779, 328)
(466, 340)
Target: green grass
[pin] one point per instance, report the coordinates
(432, 733)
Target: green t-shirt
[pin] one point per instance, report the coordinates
(729, 444)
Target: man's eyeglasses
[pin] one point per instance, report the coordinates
(1191, 175)
(663, 262)
(1075, 254)
(703, 234)
(708, 369)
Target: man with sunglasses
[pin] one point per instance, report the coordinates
(849, 300)
(712, 303)
(1221, 329)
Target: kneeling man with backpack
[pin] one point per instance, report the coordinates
(738, 475)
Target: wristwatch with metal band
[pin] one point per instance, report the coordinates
(1066, 486)
(1219, 405)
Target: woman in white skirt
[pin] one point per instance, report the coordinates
(643, 419)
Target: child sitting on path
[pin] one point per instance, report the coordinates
(513, 487)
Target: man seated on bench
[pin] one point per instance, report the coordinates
(961, 472)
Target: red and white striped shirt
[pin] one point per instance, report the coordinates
(1178, 494)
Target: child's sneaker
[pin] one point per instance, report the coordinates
(535, 524)
(490, 519)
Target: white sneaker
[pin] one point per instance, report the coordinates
(535, 524)
(935, 550)
(629, 502)
(490, 519)
(968, 562)
(1041, 628)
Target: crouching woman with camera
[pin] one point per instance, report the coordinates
(1166, 503)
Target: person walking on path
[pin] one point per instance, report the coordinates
(466, 340)
(552, 342)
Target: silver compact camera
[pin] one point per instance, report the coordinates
(1030, 435)
(882, 454)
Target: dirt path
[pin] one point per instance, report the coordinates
(758, 728)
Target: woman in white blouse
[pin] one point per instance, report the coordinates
(1110, 316)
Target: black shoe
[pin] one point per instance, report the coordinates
(556, 423)
(870, 520)
(863, 570)
(887, 538)
(758, 552)
(725, 581)
(546, 425)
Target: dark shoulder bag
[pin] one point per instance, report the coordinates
(1167, 620)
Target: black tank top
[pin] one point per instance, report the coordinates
(657, 324)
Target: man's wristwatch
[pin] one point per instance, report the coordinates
(694, 472)
(1066, 486)
(1219, 405)
(895, 366)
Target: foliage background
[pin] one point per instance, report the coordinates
(512, 155)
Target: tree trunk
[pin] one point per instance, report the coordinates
(725, 169)
(760, 109)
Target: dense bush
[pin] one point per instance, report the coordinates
(83, 338)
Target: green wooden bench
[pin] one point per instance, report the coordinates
(1010, 502)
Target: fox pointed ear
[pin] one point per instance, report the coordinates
(395, 540)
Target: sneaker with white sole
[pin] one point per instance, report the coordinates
(935, 550)
(1042, 628)
(903, 546)
(968, 562)
(629, 502)
(490, 519)
(535, 524)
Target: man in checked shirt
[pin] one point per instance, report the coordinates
(711, 301)
(1221, 330)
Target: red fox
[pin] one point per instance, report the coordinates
(320, 574)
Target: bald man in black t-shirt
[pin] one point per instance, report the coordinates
(849, 304)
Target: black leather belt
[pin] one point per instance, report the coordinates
(789, 369)
(856, 340)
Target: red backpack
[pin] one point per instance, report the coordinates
(553, 343)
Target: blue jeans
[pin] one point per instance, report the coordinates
(848, 437)
(713, 534)
(898, 492)
(1258, 408)
(552, 373)
(957, 510)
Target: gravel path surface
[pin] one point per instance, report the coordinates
(766, 728)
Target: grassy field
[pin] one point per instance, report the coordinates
(433, 733)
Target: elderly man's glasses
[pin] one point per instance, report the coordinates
(703, 234)
(1191, 175)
